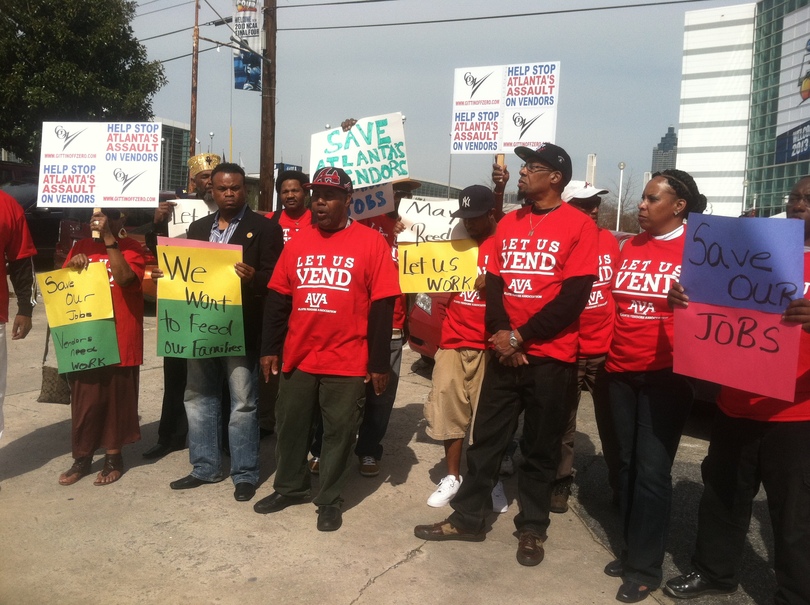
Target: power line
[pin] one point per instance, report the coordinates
(188, 54)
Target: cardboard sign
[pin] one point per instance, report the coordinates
(372, 201)
(427, 221)
(498, 108)
(99, 164)
(73, 297)
(740, 274)
(185, 212)
(748, 350)
(438, 266)
(199, 300)
(751, 263)
(372, 152)
(79, 310)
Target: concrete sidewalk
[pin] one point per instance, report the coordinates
(137, 541)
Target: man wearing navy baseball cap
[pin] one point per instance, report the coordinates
(538, 280)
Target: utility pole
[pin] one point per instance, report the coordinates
(268, 128)
(195, 56)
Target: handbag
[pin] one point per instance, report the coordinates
(55, 387)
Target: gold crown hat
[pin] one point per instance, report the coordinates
(202, 161)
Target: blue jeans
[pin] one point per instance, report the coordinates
(649, 412)
(203, 408)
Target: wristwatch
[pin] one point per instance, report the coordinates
(513, 341)
(113, 245)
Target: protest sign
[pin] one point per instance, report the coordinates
(185, 212)
(199, 300)
(372, 152)
(79, 310)
(498, 108)
(99, 164)
(438, 266)
(436, 253)
(740, 275)
(372, 201)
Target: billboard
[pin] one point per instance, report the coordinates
(793, 113)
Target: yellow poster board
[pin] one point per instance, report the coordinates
(447, 266)
(72, 297)
(189, 273)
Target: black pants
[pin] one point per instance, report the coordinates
(742, 454)
(173, 427)
(545, 391)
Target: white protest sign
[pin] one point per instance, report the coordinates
(498, 108)
(99, 164)
(372, 201)
(372, 152)
(430, 221)
(185, 212)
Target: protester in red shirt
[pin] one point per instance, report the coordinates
(333, 293)
(18, 252)
(291, 191)
(650, 404)
(461, 359)
(104, 401)
(758, 440)
(595, 332)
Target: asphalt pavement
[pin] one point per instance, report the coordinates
(137, 541)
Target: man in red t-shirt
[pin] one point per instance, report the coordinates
(333, 293)
(18, 252)
(758, 440)
(537, 283)
(291, 191)
(462, 356)
(595, 331)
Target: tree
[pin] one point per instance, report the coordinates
(71, 60)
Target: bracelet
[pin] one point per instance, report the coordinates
(113, 245)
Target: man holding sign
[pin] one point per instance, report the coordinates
(757, 439)
(261, 242)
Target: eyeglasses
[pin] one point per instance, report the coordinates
(795, 198)
(532, 168)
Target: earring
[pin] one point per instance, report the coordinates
(122, 233)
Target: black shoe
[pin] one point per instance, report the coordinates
(244, 491)
(615, 569)
(630, 592)
(329, 518)
(693, 585)
(276, 502)
(189, 482)
(157, 451)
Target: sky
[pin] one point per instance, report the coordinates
(619, 81)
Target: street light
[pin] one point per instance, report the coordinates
(211, 141)
(619, 202)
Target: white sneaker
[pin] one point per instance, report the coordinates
(507, 465)
(445, 492)
(499, 502)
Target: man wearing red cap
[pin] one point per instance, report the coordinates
(333, 294)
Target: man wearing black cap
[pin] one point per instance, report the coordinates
(333, 294)
(462, 355)
(537, 283)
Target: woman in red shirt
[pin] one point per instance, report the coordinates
(650, 404)
(104, 401)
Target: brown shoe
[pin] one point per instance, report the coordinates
(444, 530)
(80, 468)
(560, 492)
(112, 470)
(530, 549)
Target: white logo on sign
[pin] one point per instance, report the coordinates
(316, 299)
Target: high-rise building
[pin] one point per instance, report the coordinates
(665, 153)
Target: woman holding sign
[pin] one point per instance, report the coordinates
(650, 404)
(104, 400)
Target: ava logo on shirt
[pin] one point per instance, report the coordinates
(469, 297)
(316, 299)
(520, 286)
(529, 255)
(324, 271)
(596, 299)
